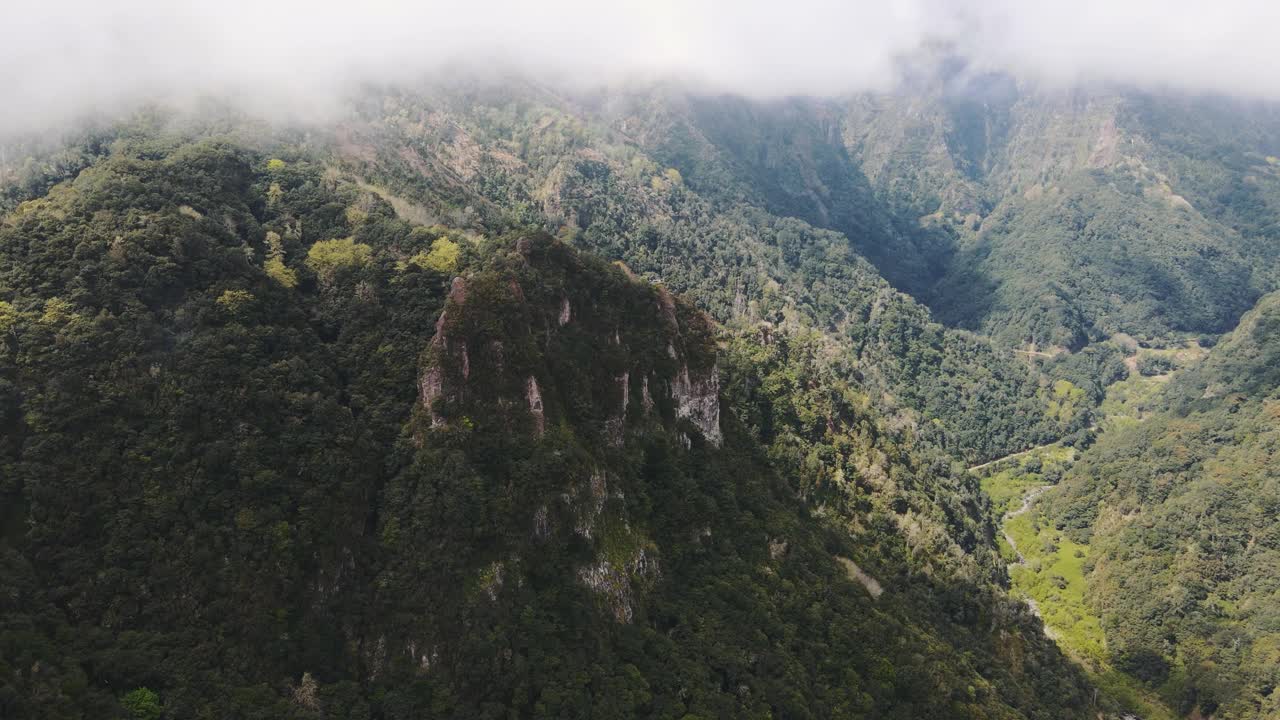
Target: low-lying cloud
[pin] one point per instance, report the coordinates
(60, 60)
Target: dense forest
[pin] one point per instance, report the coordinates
(1046, 218)
(497, 400)
(1181, 513)
(520, 155)
(265, 456)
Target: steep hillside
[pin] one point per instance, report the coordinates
(788, 157)
(526, 155)
(1081, 214)
(497, 401)
(1181, 512)
(1039, 217)
(271, 450)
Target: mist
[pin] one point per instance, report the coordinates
(60, 61)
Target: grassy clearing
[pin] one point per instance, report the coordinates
(1053, 568)
(1053, 575)
(1007, 482)
(1131, 400)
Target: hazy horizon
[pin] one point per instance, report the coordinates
(63, 60)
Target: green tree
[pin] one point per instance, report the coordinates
(142, 704)
(327, 257)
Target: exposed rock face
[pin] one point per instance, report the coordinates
(541, 523)
(566, 313)
(500, 350)
(616, 426)
(375, 655)
(698, 400)
(856, 573)
(613, 584)
(616, 585)
(527, 337)
(534, 397)
(431, 385)
(589, 509)
(626, 563)
(777, 548)
(624, 383)
(457, 294)
(425, 656)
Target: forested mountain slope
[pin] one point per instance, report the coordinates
(491, 400)
(524, 154)
(1181, 511)
(1037, 216)
(269, 449)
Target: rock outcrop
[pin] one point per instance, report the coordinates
(526, 347)
(431, 386)
(697, 399)
(522, 346)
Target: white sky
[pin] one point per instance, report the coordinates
(60, 58)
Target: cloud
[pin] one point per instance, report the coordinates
(61, 59)
(1226, 46)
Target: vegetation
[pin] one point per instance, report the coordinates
(1151, 365)
(1007, 482)
(496, 402)
(327, 257)
(1050, 569)
(1177, 507)
(443, 256)
(245, 497)
(534, 159)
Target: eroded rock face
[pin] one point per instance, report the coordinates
(589, 505)
(527, 338)
(616, 426)
(431, 386)
(541, 523)
(613, 585)
(697, 399)
(616, 585)
(520, 340)
(533, 396)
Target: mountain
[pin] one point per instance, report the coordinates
(1180, 510)
(271, 449)
(525, 155)
(491, 399)
(1039, 217)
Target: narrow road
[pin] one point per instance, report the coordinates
(989, 463)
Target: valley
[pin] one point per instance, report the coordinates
(1049, 569)
(490, 398)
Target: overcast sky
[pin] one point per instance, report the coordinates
(60, 58)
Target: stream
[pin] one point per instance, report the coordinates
(1027, 501)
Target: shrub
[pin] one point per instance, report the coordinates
(274, 266)
(8, 317)
(1151, 365)
(442, 258)
(327, 257)
(141, 704)
(235, 301)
